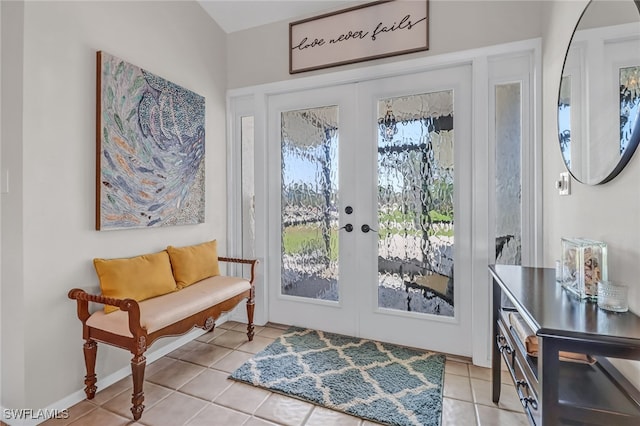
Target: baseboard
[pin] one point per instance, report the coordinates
(37, 416)
(239, 314)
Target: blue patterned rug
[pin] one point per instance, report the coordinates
(377, 381)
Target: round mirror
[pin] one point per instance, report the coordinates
(599, 99)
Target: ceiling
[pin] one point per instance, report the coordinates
(237, 15)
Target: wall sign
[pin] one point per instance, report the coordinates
(371, 31)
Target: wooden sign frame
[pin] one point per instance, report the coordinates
(361, 33)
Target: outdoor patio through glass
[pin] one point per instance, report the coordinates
(415, 203)
(310, 203)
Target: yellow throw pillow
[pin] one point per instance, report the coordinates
(139, 278)
(194, 263)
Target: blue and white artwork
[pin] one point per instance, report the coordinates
(150, 149)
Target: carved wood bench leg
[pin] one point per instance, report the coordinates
(138, 364)
(90, 349)
(250, 308)
(209, 324)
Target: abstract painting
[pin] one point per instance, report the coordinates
(150, 149)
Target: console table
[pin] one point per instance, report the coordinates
(555, 392)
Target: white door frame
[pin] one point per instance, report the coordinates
(429, 331)
(308, 312)
(357, 312)
(482, 242)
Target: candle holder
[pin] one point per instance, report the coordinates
(613, 296)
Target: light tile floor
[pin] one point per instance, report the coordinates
(190, 386)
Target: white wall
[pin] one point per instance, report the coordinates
(48, 219)
(606, 212)
(12, 299)
(260, 55)
(0, 201)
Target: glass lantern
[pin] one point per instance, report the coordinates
(584, 263)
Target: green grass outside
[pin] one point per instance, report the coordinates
(308, 238)
(398, 216)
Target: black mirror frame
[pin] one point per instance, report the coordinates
(634, 141)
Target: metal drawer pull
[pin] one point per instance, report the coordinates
(525, 400)
(528, 401)
(502, 345)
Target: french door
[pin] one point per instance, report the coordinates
(369, 209)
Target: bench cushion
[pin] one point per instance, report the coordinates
(139, 278)
(194, 263)
(162, 311)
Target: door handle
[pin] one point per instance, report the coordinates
(366, 228)
(348, 227)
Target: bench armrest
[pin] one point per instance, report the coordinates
(251, 262)
(128, 305)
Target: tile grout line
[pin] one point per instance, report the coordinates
(477, 406)
(306, 418)
(194, 416)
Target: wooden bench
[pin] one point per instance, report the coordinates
(140, 323)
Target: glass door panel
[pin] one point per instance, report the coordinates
(415, 203)
(416, 178)
(248, 187)
(312, 279)
(508, 208)
(309, 216)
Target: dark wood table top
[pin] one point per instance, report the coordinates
(553, 311)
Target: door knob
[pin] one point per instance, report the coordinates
(366, 228)
(348, 227)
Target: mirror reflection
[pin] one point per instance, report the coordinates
(599, 98)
